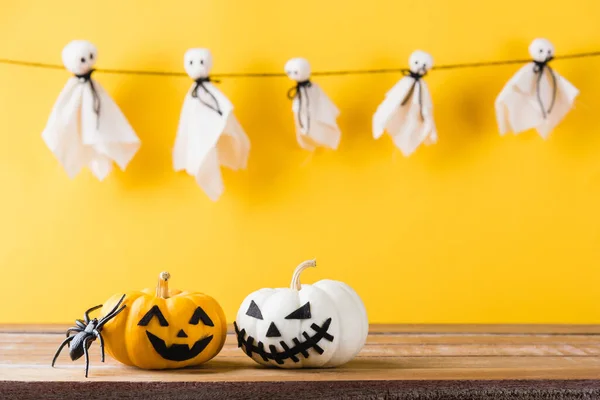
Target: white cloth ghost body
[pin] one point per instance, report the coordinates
(314, 113)
(86, 127)
(536, 96)
(406, 113)
(209, 135)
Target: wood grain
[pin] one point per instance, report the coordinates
(307, 390)
(392, 352)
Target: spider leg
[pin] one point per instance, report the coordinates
(80, 323)
(85, 352)
(87, 313)
(99, 336)
(73, 329)
(67, 340)
(110, 313)
(109, 317)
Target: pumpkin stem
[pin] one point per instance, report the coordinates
(296, 277)
(162, 289)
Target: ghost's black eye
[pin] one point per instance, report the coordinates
(191, 62)
(82, 59)
(202, 62)
(200, 315)
(541, 50)
(416, 62)
(153, 312)
(295, 72)
(91, 56)
(254, 311)
(301, 313)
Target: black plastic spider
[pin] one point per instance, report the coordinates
(86, 333)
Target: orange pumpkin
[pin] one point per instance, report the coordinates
(165, 328)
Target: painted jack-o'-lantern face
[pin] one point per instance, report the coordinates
(320, 325)
(177, 351)
(166, 329)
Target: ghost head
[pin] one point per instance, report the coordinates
(541, 50)
(420, 62)
(298, 69)
(79, 57)
(198, 63)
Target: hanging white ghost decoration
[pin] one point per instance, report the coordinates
(536, 96)
(209, 135)
(86, 127)
(305, 326)
(406, 113)
(314, 113)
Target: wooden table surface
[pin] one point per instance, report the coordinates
(392, 352)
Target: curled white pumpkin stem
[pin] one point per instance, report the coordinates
(296, 277)
(162, 289)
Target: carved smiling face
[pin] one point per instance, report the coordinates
(162, 328)
(177, 351)
(288, 328)
(319, 325)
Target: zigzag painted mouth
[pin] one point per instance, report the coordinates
(310, 342)
(178, 352)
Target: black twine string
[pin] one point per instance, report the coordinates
(538, 68)
(296, 91)
(200, 85)
(87, 78)
(416, 76)
(281, 75)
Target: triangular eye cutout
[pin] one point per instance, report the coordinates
(200, 315)
(254, 311)
(301, 313)
(153, 312)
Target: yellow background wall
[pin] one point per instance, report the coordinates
(477, 228)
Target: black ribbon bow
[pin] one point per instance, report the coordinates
(200, 85)
(538, 68)
(416, 81)
(296, 91)
(87, 78)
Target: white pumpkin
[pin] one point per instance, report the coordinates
(305, 326)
